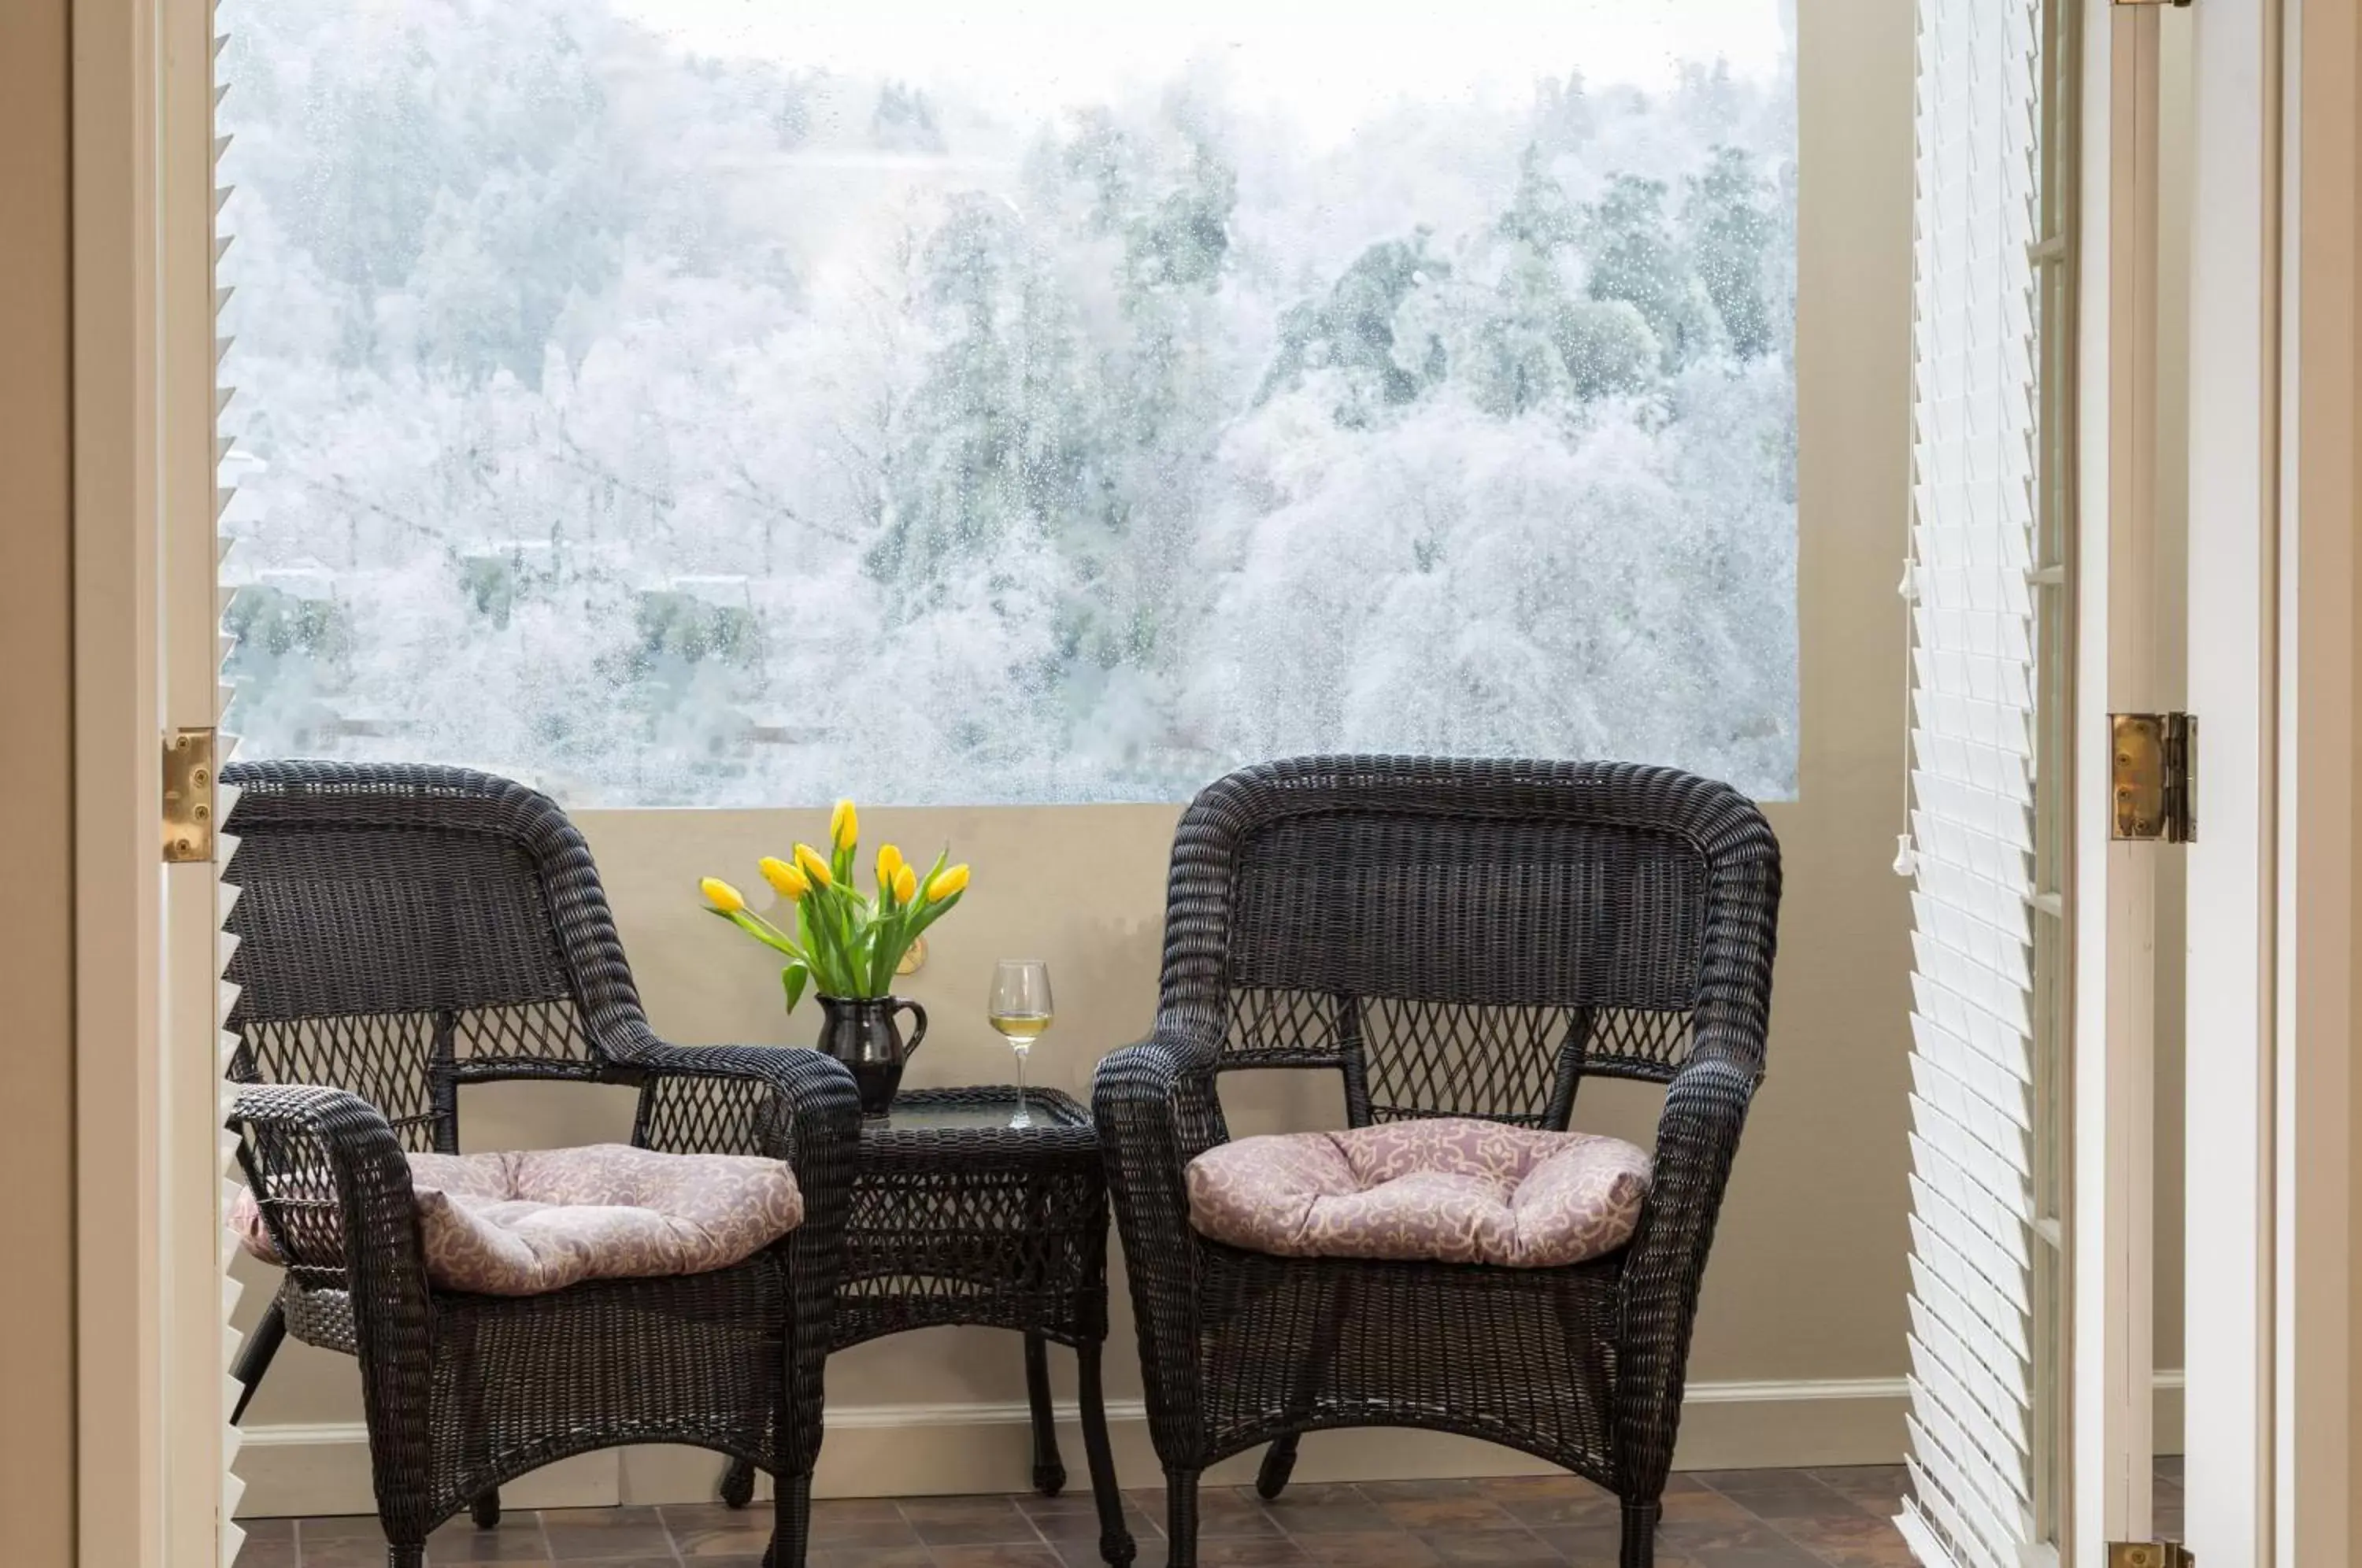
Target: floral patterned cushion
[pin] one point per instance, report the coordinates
(1445, 1190)
(520, 1224)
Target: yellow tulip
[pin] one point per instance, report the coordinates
(906, 883)
(726, 899)
(889, 864)
(809, 861)
(843, 825)
(949, 881)
(791, 882)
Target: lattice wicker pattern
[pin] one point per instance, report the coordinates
(1452, 937)
(977, 1225)
(407, 930)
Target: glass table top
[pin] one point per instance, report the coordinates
(979, 1108)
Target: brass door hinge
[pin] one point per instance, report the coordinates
(2153, 777)
(189, 795)
(2149, 1554)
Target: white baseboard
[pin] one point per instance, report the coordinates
(924, 1450)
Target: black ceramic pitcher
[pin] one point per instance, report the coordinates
(861, 1032)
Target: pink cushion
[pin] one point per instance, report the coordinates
(519, 1224)
(1443, 1190)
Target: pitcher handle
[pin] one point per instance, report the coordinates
(903, 1004)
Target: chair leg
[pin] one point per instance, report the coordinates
(791, 1521)
(254, 1357)
(1279, 1460)
(1278, 1464)
(738, 1483)
(486, 1509)
(1641, 1534)
(406, 1557)
(1049, 1469)
(1116, 1545)
(1180, 1518)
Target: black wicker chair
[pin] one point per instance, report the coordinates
(404, 931)
(1455, 938)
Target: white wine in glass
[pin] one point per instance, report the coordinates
(1020, 1010)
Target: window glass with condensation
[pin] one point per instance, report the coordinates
(699, 402)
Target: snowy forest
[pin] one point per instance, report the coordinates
(666, 428)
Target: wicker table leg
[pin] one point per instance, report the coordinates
(1116, 1545)
(1049, 1469)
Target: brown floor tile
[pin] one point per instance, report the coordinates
(1221, 1511)
(1326, 1511)
(1437, 1505)
(1874, 1488)
(516, 1538)
(1778, 1494)
(276, 1552)
(1036, 1556)
(1067, 1530)
(1699, 1507)
(579, 1534)
(1748, 1544)
(970, 1522)
(1551, 1500)
(1864, 1542)
(1246, 1552)
(1390, 1549)
(1515, 1548)
(870, 1557)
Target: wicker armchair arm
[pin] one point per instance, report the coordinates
(740, 1100)
(1697, 1136)
(1156, 1110)
(334, 1188)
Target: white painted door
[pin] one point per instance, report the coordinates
(2034, 588)
(2118, 668)
(200, 1494)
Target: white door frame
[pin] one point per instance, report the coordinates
(2235, 553)
(2312, 1408)
(2271, 1400)
(150, 1294)
(2110, 1363)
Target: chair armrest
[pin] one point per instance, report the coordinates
(1697, 1137)
(334, 1188)
(1156, 1110)
(742, 1099)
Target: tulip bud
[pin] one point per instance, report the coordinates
(843, 825)
(725, 897)
(906, 884)
(790, 882)
(889, 865)
(809, 861)
(949, 881)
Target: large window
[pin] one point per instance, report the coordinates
(702, 401)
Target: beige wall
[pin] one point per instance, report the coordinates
(37, 1499)
(1808, 1277)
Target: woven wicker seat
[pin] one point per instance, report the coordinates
(402, 932)
(1464, 939)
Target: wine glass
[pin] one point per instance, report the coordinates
(1020, 1008)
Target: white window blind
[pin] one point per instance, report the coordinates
(1979, 1262)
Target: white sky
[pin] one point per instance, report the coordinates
(1330, 62)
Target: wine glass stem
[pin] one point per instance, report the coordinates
(1022, 1054)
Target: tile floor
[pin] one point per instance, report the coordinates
(1756, 1519)
(1738, 1519)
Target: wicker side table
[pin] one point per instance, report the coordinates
(959, 1218)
